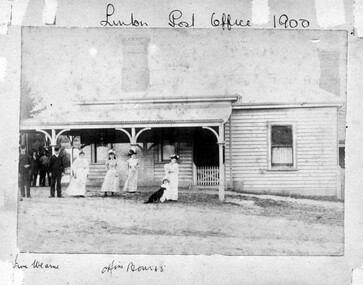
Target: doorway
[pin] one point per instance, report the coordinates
(205, 158)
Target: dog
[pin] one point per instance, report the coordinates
(155, 197)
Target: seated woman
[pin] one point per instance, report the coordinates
(161, 195)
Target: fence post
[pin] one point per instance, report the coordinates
(221, 163)
(195, 174)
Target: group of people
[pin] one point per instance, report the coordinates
(54, 166)
(29, 166)
(111, 182)
(38, 167)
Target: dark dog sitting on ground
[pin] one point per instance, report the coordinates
(159, 196)
(155, 197)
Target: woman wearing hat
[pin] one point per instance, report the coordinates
(132, 166)
(77, 186)
(171, 172)
(111, 181)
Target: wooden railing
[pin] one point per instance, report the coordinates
(207, 175)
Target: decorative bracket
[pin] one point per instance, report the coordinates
(220, 139)
(52, 138)
(124, 131)
(61, 132)
(133, 136)
(141, 131)
(47, 136)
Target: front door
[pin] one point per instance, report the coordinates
(101, 154)
(205, 158)
(98, 153)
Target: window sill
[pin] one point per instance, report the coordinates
(281, 169)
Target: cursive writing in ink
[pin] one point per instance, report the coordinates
(133, 268)
(110, 10)
(17, 265)
(109, 268)
(38, 264)
(285, 22)
(227, 22)
(174, 18)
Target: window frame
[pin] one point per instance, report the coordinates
(269, 146)
(160, 149)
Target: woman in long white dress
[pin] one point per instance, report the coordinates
(171, 172)
(77, 186)
(133, 165)
(111, 181)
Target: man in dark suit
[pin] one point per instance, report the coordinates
(56, 168)
(25, 167)
(35, 169)
(44, 161)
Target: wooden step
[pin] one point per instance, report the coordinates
(98, 175)
(94, 183)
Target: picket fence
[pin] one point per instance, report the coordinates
(207, 175)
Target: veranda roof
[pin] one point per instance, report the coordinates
(133, 115)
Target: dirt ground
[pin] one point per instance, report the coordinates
(196, 224)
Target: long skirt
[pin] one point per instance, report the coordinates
(111, 182)
(77, 186)
(131, 181)
(166, 196)
(173, 187)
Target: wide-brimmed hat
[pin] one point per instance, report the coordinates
(111, 151)
(174, 156)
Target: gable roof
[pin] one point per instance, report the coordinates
(284, 67)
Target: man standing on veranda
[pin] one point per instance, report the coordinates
(56, 168)
(24, 172)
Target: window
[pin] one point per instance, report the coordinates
(281, 147)
(168, 144)
(167, 149)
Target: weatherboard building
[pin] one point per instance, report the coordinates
(259, 111)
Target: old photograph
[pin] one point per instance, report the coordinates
(174, 141)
